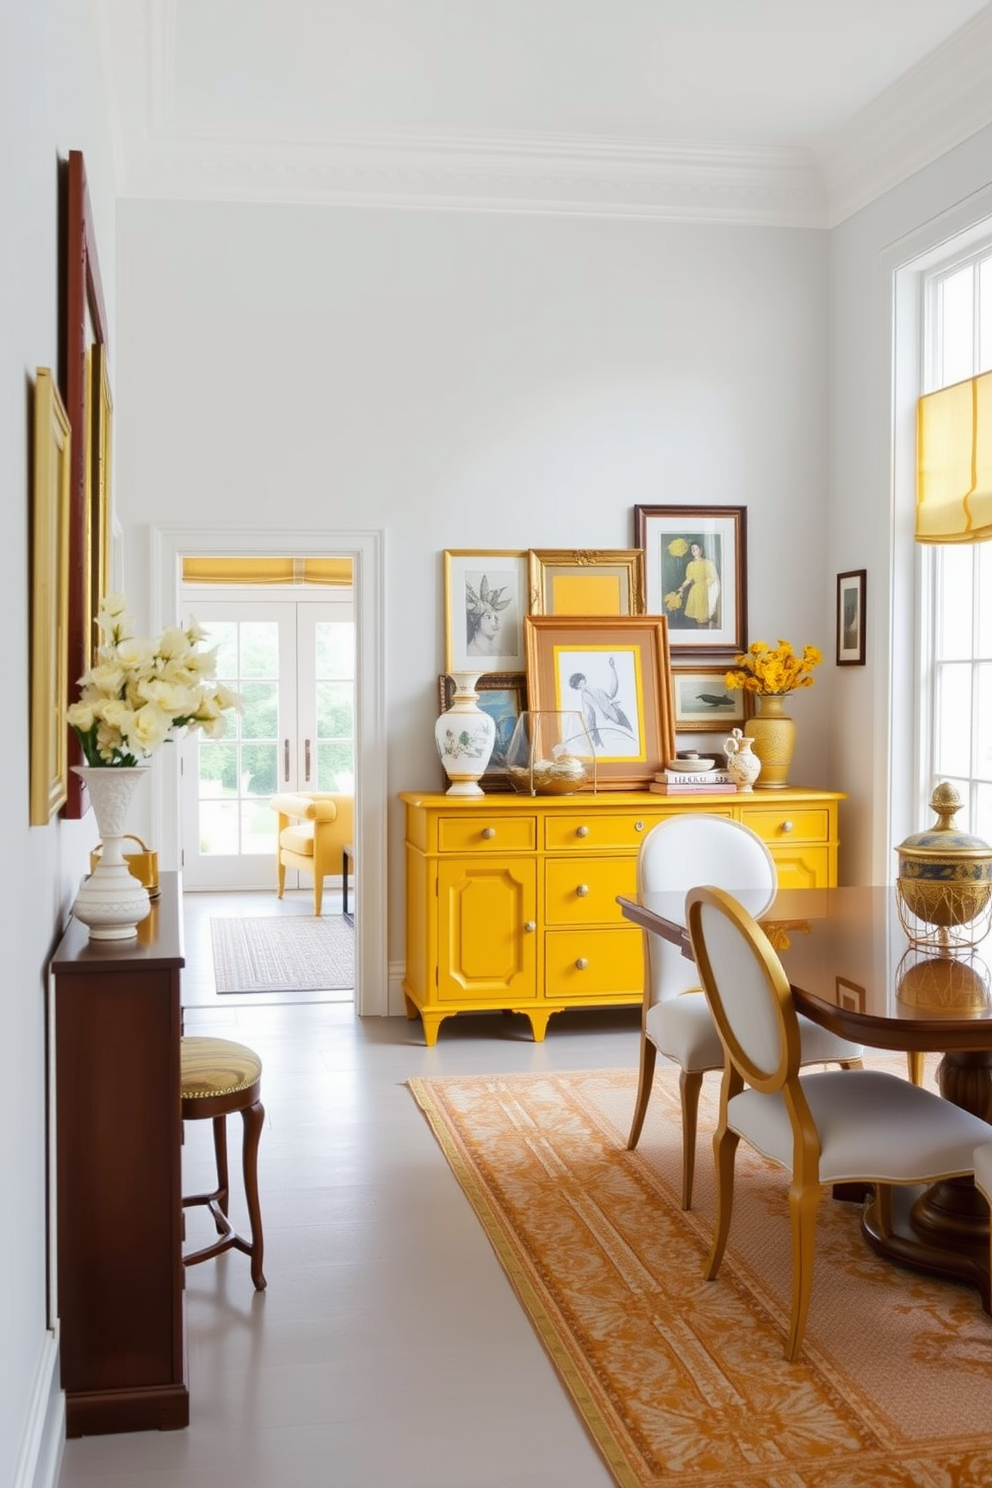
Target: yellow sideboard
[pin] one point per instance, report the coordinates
(511, 900)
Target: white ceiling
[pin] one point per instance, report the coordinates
(752, 110)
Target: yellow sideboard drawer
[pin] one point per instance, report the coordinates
(582, 891)
(498, 834)
(779, 826)
(594, 965)
(596, 830)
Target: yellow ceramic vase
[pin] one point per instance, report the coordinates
(774, 738)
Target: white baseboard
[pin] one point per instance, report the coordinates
(43, 1440)
(395, 1001)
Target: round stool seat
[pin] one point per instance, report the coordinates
(218, 1078)
(213, 1067)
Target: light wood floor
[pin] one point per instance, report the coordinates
(389, 1350)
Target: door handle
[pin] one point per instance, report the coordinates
(306, 760)
(285, 761)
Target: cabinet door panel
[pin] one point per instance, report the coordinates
(802, 867)
(485, 949)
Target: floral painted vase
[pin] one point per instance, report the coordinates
(465, 736)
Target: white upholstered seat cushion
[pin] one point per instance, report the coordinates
(682, 1028)
(872, 1126)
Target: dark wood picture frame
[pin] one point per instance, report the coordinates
(666, 535)
(84, 323)
(851, 618)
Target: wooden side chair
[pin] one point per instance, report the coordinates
(852, 1126)
(314, 829)
(218, 1078)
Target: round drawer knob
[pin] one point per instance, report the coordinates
(582, 831)
(488, 833)
(530, 926)
(638, 826)
(787, 826)
(582, 890)
(581, 964)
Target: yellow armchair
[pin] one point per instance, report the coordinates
(314, 829)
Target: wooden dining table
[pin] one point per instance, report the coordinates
(853, 968)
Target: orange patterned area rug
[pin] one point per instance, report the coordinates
(680, 1380)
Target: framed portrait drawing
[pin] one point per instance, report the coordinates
(503, 695)
(703, 704)
(49, 602)
(586, 583)
(485, 601)
(695, 574)
(851, 618)
(616, 673)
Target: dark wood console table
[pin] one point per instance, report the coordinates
(119, 1201)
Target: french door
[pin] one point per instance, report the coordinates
(293, 662)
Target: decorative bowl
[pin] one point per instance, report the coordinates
(692, 764)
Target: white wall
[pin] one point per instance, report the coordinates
(49, 67)
(467, 381)
(872, 490)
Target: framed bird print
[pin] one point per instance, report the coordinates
(615, 672)
(703, 704)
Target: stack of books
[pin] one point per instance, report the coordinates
(675, 782)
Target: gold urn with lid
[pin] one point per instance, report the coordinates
(944, 887)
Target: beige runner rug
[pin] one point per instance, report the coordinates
(680, 1380)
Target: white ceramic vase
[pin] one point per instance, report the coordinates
(111, 901)
(465, 736)
(743, 766)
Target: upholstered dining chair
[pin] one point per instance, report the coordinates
(675, 856)
(825, 1127)
(314, 829)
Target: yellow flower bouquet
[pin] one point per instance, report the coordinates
(773, 671)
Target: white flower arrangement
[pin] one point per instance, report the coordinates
(141, 693)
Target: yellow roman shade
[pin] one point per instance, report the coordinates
(954, 463)
(248, 570)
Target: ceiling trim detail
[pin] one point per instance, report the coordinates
(938, 104)
(567, 177)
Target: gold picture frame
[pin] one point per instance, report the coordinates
(615, 671)
(586, 582)
(98, 491)
(49, 601)
(503, 695)
(484, 588)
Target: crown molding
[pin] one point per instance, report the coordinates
(569, 177)
(938, 104)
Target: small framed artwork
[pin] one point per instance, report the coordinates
(703, 704)
(485, 601)
(49, 602)
(587, 583)
(851, 618)
(503, 695)
(616, 673)
(695, 574)
(850, 996)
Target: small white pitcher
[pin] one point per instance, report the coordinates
(743, 767)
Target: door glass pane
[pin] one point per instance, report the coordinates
(335, 644)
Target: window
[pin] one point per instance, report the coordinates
(956, 579)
